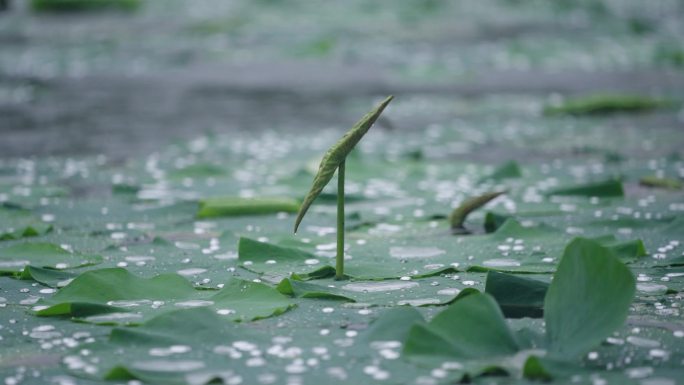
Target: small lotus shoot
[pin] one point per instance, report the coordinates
(458, 216)
(334, 160)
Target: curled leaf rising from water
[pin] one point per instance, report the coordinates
(460, 213)
(337, 154)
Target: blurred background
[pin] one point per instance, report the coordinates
(123, 78)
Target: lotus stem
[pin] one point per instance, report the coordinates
(339, 260)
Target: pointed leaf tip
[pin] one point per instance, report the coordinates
(337, 154)
(459, 214)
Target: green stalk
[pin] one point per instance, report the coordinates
(339, 261)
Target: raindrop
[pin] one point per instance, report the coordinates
(326, 246)
(19, 263)
(379, 286)
(501, 263)
(129, 303)
(187, 246)
(139, 258)
(194, 303)
(296, 367)
(415, 252)
(450, 291)
(173, 349)
(651, 288)
(191, 271)
(658, 353)
(226, 256)
(255, 361)
(643, 342)
(639, 372)
(419, 302)
(168, 366)
(245, 346)
(114, 317)
(434, 266)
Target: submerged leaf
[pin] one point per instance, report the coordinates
(460, 213)
(336, 155)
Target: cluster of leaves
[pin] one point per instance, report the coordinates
(588, 299)
(173, 279)
(581, 308)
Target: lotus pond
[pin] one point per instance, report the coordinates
(160, 280)
(510, 236)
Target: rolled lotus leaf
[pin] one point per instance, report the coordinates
(458, 216)
(337, 154)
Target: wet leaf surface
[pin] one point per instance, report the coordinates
(115, 296)
(14, 258)
(588, 298)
